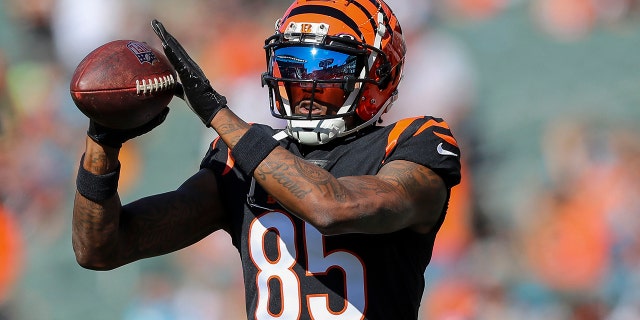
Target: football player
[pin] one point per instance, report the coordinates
(334, 216)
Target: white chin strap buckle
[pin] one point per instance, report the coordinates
(316, 132)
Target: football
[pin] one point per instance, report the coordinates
(123, 84)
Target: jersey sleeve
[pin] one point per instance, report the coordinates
(218, 158)
(427, 141)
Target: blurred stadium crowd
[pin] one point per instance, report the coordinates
(556, 238)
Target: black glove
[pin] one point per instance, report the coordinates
(195, 88)
(116, 137)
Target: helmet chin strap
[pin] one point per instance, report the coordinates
(318, 132)
(321, 131)
(315, 132)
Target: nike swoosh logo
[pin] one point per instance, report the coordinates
(444, 152)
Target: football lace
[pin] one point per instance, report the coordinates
(154, 85)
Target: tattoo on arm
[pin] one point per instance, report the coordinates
(281, 173)
(232, 131)
(401, 177)
(99, 162)
(321, 179)
(228, 128)
(408, 178)
(367, 185)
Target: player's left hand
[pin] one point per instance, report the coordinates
(195, 88)
(116, 137)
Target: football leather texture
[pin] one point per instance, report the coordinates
(123, 84)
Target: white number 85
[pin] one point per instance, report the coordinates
(319, 262)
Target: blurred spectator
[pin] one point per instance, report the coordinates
(573, 238)
(153, 298)
(6, 111)
(204, 294)
(11, 253)
(565, 19)
(34, 28)
(572, 20)
(474, 10)
(80, 26)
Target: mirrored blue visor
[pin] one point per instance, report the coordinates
(314, 63)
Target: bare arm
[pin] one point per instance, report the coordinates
(107, 235)
(403, 194)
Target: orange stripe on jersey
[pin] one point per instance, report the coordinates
(215, 142)
(431, 123)
(449, 139)
(395, 133)
(230, 161)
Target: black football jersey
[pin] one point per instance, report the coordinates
(291, 271)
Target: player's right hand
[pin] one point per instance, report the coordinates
(196, 89)
(116, 137)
